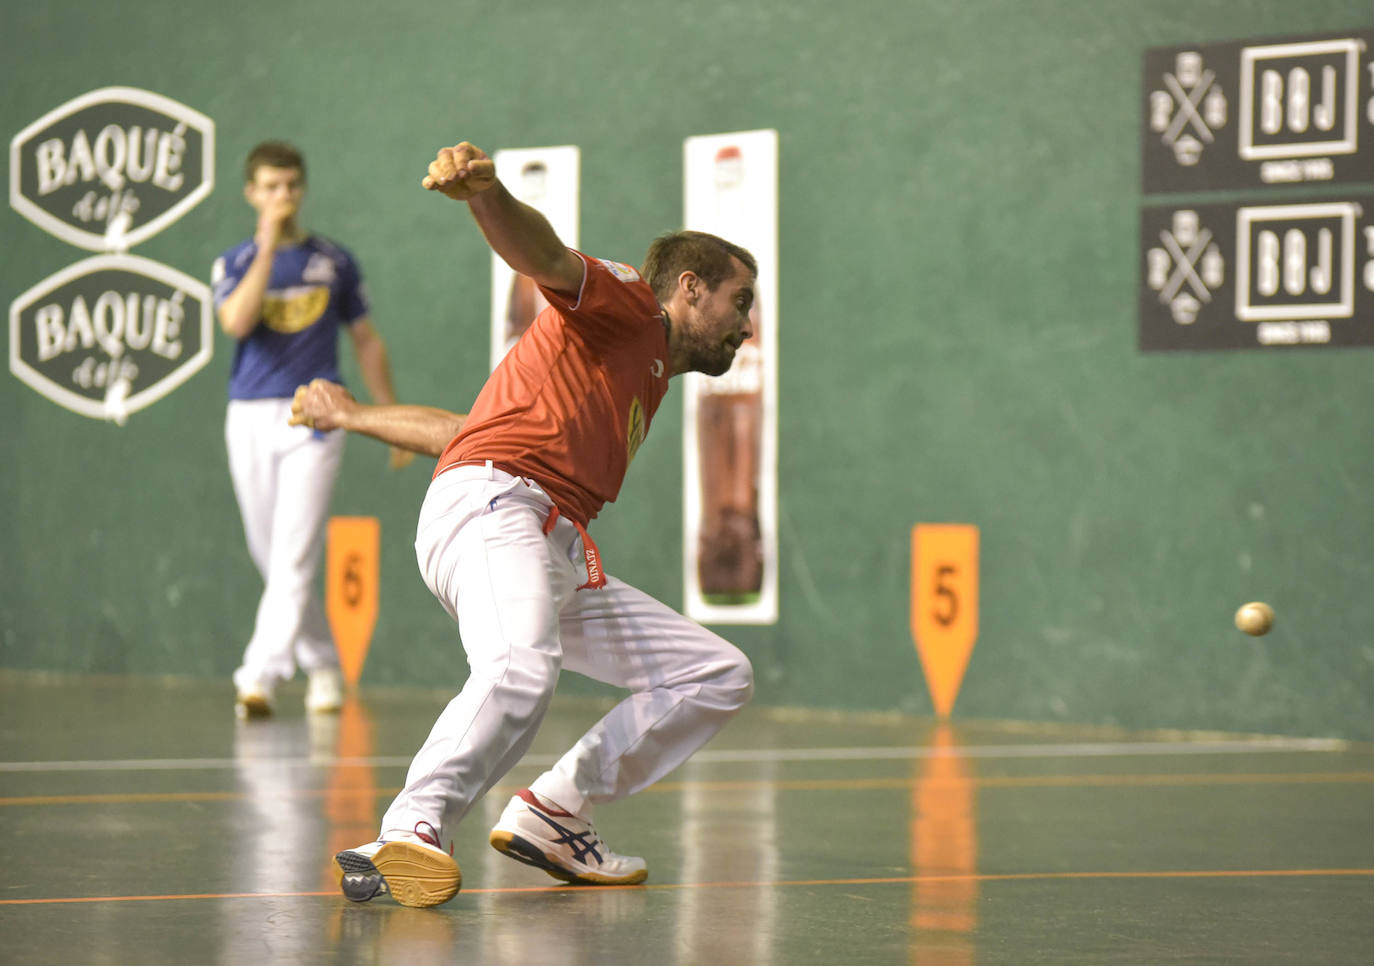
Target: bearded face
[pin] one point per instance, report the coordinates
(720, 323)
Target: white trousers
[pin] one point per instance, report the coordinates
(513, 590)
(283, 479)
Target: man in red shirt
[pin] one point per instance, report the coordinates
(502, 543)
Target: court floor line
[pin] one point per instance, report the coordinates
(746, 755)
(763, 884)
(788, 785)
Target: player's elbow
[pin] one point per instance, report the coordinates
(367, 346)
(365, 342)
(442, 434)
(234, 326)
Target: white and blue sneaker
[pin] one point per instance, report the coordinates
(538, 833)
(413, 869)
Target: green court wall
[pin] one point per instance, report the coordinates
(959, 208)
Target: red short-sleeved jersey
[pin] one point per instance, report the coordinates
(569, 405)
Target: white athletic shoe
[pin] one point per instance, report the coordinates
(324, 694)
(412, 868)
(254, 701)
(563, 845)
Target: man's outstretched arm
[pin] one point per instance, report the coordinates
(517, 232)
(325, 405)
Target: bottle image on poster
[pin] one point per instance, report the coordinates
(545, 179)
(729, 423)
(730, 433)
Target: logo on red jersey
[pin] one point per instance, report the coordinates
(634, 430)
(621, 271)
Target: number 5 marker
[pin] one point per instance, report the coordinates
(944, 605)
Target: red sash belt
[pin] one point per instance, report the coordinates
(596, 577)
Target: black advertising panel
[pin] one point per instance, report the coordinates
(1282, 273)
(110, 335)
(1242, 114)
(105, 171)
(109, 169)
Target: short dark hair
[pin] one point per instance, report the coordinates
(709, 256)
(273, 154)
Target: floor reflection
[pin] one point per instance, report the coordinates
(381, 932)
(944, 842)
(728, 834)
(144, 826)
(351, 806)
(557, 926)
(287, 826)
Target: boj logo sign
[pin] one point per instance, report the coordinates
(105, 171)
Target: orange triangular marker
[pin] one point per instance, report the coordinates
(352, 582)
(944, 605)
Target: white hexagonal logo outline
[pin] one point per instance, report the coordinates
(118, 409)
(117, 237)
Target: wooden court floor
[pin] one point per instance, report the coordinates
(143, 824)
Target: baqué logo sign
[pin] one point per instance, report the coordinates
(111, 168)
(110, 335)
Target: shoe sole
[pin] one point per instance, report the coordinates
(254, 706)
(523, 850)
(413, 875)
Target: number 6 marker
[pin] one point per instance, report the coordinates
(352, 579)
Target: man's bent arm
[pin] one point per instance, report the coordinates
(420, 429)
(526, 241)
(325, 405)
(239, 313)
(514, 230)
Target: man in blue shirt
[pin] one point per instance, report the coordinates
(284, 294)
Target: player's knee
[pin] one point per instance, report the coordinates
(523, 691)
(734, 684)
(535, 673)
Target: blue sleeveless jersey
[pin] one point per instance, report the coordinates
(315, 289)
